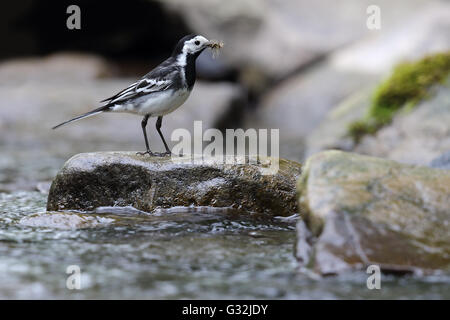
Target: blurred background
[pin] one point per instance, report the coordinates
(286, 64)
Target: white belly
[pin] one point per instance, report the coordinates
(155, 104)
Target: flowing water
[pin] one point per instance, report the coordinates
(180, 253)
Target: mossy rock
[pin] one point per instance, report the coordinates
(92, 180)
(409, 83)
(367, 210)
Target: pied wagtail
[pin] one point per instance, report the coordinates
(160, 91)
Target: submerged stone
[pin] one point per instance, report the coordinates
(92, 180)
(367, 210)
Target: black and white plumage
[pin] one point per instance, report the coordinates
(160, 91)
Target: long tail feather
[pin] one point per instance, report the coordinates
(86, 115)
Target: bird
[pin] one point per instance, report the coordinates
(159, 92)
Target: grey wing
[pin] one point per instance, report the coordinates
(159, 79)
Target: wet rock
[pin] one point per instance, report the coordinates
(93, 180)
(64, 220)
(368, 210)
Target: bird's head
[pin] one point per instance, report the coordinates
(191, 45)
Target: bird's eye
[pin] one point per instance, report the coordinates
(197, 43)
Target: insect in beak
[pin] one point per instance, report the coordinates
(215, 46)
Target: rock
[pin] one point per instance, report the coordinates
(279, 36)
(245, 27)
(417, 136)
(301, 103)
(332, 132)
(367, 210)
(441, 162)
(93, 180)
(422, 32)
(55, 68)
(64, 220)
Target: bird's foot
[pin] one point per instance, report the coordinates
(151, 154)
(162, 154)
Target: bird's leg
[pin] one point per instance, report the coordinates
(158, 128)
(143, 125)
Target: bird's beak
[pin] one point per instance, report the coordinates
(210, 44)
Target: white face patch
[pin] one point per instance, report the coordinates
(192, 46)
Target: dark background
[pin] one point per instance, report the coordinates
(119, 30)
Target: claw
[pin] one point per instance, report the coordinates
(162, 154)
(145, 152)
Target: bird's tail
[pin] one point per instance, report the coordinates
(86, 115)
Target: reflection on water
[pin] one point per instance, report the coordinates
(172, 254)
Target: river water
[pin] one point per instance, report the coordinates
(204, 254)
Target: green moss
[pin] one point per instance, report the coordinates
(408, 84)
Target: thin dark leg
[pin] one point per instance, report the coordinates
(143, 125)
(158, 128)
